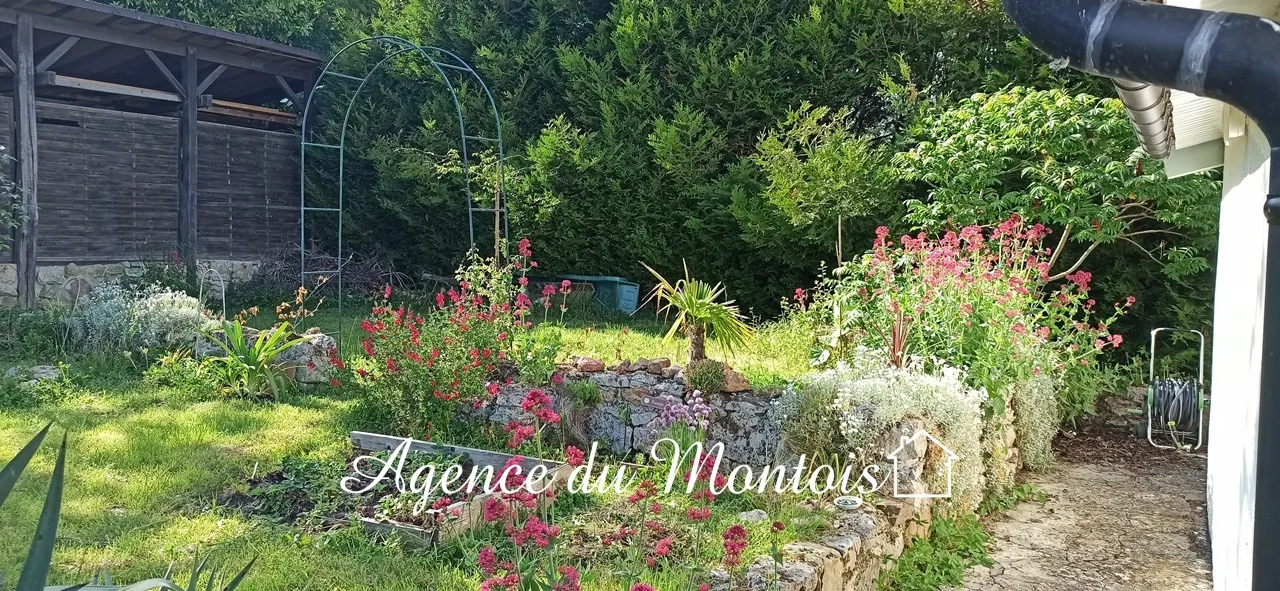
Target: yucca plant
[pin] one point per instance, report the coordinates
(700, 313)
(249, 367)
(35, 571)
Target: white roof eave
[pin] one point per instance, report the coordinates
(1198, 121)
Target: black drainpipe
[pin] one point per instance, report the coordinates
(1230, 57)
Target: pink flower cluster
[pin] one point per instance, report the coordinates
(735, 541)
(693, 413)
(538, 405)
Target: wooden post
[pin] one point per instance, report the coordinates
(188, 161)
(24, 127)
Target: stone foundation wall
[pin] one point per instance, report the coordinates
(60, 285)
(1124, 409)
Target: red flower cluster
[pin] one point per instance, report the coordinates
(646, 490)
(573, 456)
(698, 513)
(538, 403)
(533, 530)
(426, 363)
(539, 407)
(735, 541)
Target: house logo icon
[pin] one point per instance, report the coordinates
(901, 454)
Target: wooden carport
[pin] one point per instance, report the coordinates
(76, 52)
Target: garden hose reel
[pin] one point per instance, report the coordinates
(1175, 405)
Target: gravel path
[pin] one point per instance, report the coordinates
(1121, 515)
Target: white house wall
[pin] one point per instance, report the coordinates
(1237, 355)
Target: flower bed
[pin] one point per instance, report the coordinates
(306, 493)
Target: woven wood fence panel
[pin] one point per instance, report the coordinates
(108, 186)
(248, 191)
(6, 168)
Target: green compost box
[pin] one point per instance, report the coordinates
(613, 293)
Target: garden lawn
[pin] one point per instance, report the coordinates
(145, 468)
(779, 353)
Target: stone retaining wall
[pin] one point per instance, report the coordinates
(632, 397)
(59, 285)
(861, 544)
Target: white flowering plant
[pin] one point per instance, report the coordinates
(871, 395)
(115, 318)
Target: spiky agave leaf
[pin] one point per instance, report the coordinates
(35, 571)
(11, 471)
(195, 573)
(235, 582)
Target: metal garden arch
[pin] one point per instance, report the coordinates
(444, 62)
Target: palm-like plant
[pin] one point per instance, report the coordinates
(700, 313)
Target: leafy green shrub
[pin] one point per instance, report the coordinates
(535, 353)
(420, 369)
(305, 484)
(1003, 501)
(981, 300)
(810, 425)
(33, 334)
(1036, 417)
(169, 274)
(871, 396)
(583, 392)
(180, 371)
(705, 375)
(115, 318)
(939, 561)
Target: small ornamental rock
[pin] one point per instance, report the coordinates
(36, 373)
(734, 382)
(669, 373)
(718, 580)
(753, 516)
(658, 366)
(639, 365)
(587, 364)
(620, 367)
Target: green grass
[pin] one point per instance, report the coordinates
(145, 467)
(778, 354)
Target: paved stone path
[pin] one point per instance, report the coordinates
(1120, 516)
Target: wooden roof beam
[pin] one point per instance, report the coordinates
(56, 54)
(205, 103)
(107, 35)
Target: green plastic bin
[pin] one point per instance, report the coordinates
(613, 293)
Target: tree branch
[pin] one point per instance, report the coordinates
(1057, 250)
(1132, 234)
(1079, 261)
(1143, 249)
